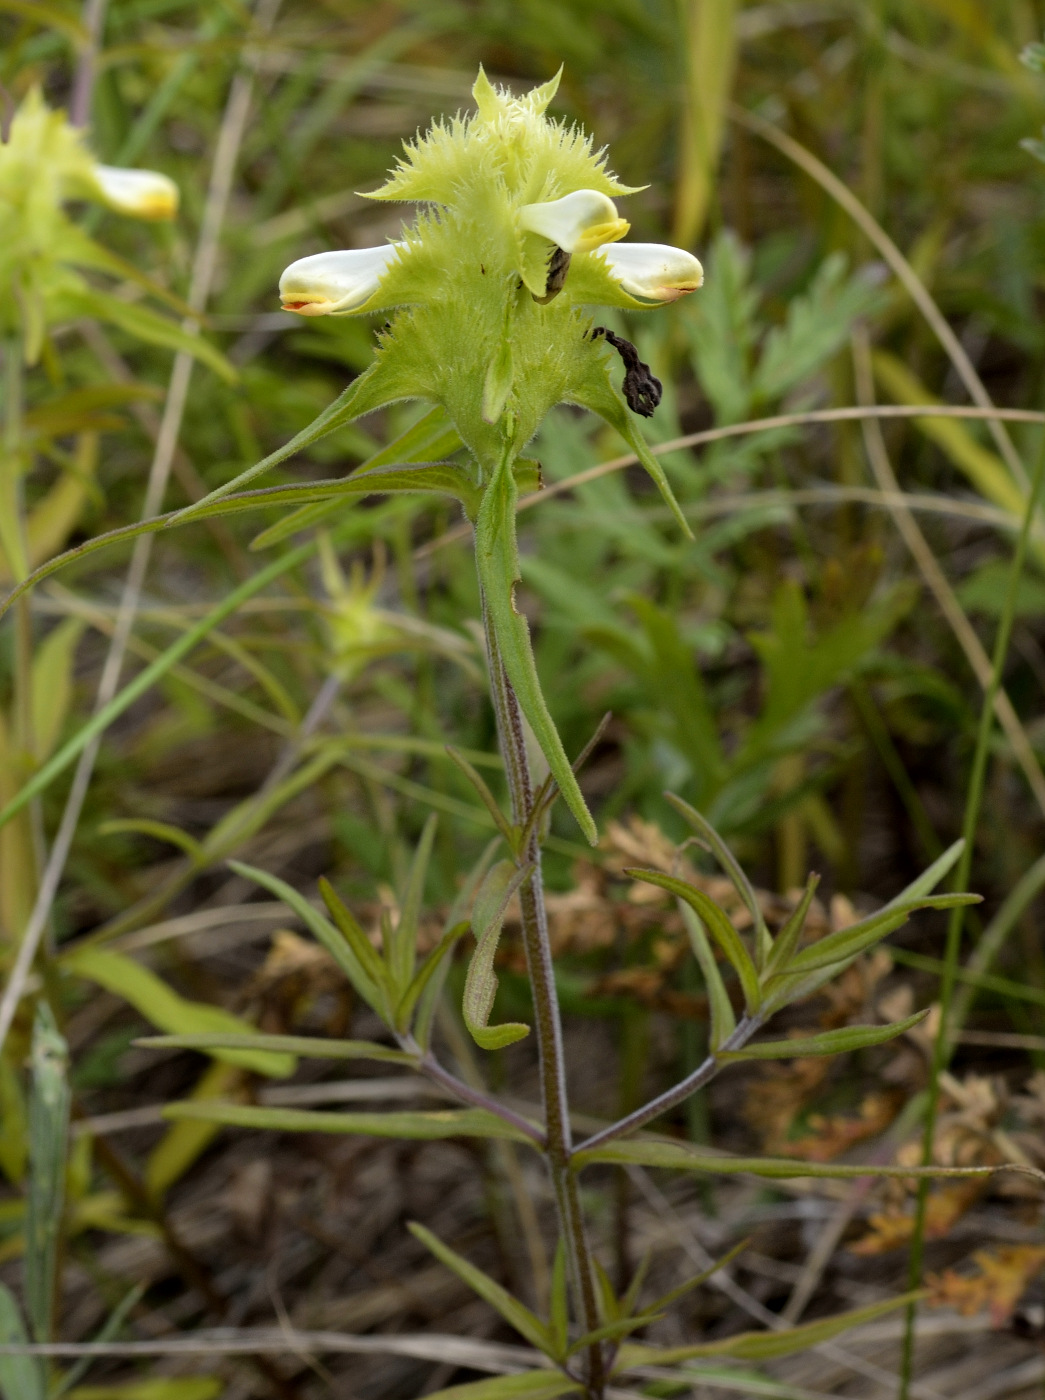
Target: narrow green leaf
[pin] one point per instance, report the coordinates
(762, 1346)
(354, 935)
(630, 1299)
(532, 1385)
(429, 441)
(49, 1104)
(160, 831)
(146, 325)
(786, 940)
(420, 1126)
(480, 985)
(610, 1331)
(592, 389)
(718, 925)
(401, 949)
(836, 1042)
(170, 1012)
(370, 391)
(723, 1019)
(678, 1156)
(304, 1046)
(559, 1303)
(609, 1306)
(436, 960)
(667, 1299)
(848, 942)
(516, 1314)
(487, 798)
(181, 1388)
(372, 992)
(497, 559)
(313, 501)
(21, 1377)
(729, 863)
(931, 877)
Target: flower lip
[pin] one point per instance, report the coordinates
(653, 272)
(145, 194)
(577, 222)
(336, 283)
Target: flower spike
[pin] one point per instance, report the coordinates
(577, 222)
(493, 287)
(335, 284)
(654, 272)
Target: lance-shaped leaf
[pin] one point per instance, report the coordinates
(723, 1019)
(480, 985)
(531, 1385)
(401, 949)
(367, 977)
(810, 969)
(679, 1156)
(21, 1377)
(729, 863)
(170, 1012)
(455, 920)
(145, 325)
(837, 1042)
(786, 940)
(376, 387)
(762, 1346)
(48, 1140)
(516, 1314)
(717, 924)
(306, 1047)
(591, 388)
(421, 1126)
(434, 963)
(429, 441)
(497, 559)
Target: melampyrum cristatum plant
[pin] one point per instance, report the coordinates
(52, 272)
(490, 295)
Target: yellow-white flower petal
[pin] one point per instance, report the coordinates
(330, 284)
(654, 271)
(145, 194)
(577, 222)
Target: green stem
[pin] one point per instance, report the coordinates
(559, 1147)
(942, 1046)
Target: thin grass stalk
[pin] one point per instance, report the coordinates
(937, 582)
(943, 1044)
(902, 269)
(537, 945)
(87, 66)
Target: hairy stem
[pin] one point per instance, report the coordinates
(559, 1145)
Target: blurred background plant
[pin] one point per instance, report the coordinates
(807, 671)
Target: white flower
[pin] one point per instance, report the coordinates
(146, 194)
(332, 284)
(653, 271)
(577, 222)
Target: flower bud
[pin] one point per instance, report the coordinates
(577, 222)
(334, 284)
(653, 271)
(144, 194)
